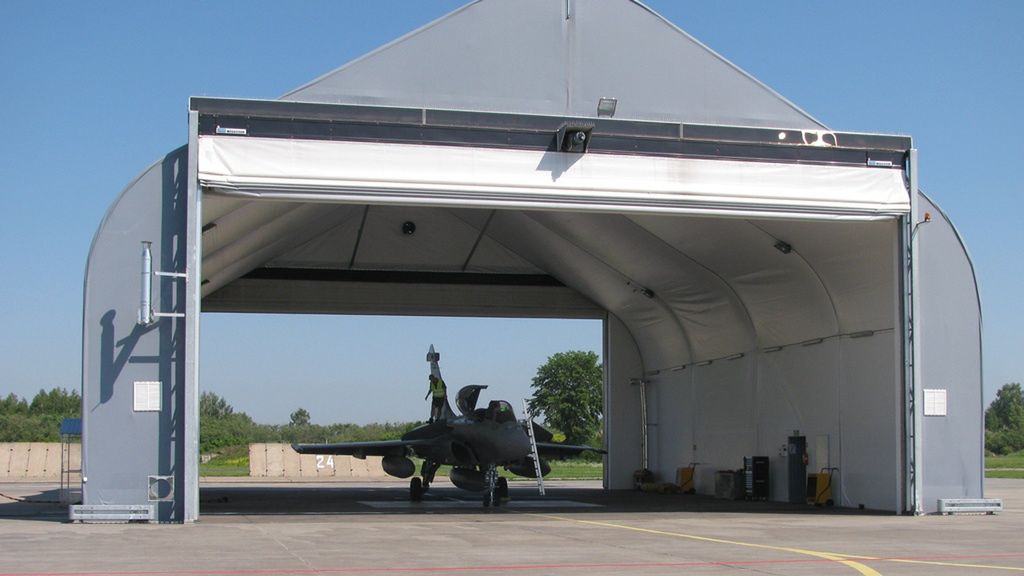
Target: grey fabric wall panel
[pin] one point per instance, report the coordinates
(623, 438)
(122, 446)
(950, 361)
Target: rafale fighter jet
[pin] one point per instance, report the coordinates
(474, 443)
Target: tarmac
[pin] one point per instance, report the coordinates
(370, 528)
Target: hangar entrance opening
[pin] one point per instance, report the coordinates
(742, 330)
(363, 370)
(752, 287)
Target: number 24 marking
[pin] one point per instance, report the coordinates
(321, 463)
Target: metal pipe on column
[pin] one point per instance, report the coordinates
(146, 292)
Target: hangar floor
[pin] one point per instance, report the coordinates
(368, 528)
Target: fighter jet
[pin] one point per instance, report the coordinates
(475, 443)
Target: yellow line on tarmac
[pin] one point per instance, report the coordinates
(839, 558)
(936, 563)
(949, 564)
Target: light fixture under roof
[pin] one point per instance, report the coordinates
(783, 247)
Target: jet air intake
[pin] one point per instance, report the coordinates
(526, 469)
(398, 466)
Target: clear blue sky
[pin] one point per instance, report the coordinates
(94, 92)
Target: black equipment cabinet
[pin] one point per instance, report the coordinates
(755, 477)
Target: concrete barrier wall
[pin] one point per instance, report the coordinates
(36, 460)
(280, 461)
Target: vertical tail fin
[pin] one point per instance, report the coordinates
(435, 370)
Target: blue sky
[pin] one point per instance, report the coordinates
(92, 93)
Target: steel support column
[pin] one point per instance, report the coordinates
(913, 403)
(193, 295)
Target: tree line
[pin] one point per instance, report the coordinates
(38, 420)
(1004, 421)
(567, 394)
(220, 426)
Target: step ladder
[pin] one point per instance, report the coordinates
(533, 448)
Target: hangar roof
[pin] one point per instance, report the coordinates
(675, 226)
(532, 57)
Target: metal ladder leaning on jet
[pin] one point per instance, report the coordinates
(475, 443)
(533, 448)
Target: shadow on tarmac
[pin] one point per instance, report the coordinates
(41, 502)
(354, 500)
(32, 502)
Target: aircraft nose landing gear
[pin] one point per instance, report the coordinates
(491, 496)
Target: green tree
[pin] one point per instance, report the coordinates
(300, 417)
(220, 426)
(38, 421)
(13, 405)
(56, 402)
(213, 406)
(1004, 420)
(567, 390)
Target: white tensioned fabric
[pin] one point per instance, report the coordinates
(338, 171)
(700, 234)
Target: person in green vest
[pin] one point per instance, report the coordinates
(440, 393)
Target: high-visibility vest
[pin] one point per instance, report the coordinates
(437, 388)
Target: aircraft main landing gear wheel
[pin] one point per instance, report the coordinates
(488, 497)
(501, 492)
(416, 489)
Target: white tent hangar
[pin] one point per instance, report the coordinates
(756, 272)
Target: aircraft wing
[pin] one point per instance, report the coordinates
(556, 450)
(362, 449)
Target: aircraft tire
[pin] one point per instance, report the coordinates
(416, 489)
(487, 499)
(502, 490)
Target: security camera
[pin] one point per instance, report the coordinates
(573, 138)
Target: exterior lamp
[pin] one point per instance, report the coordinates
(574, 138)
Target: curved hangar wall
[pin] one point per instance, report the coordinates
(135, 377)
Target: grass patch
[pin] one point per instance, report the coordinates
(1010, 461)
(1018, 474)
(575, 470)
(223, 471)
(230, 461)
(560, 470)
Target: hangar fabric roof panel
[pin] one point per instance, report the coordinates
(531, 57)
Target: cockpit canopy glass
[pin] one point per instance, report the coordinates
(500, 411)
